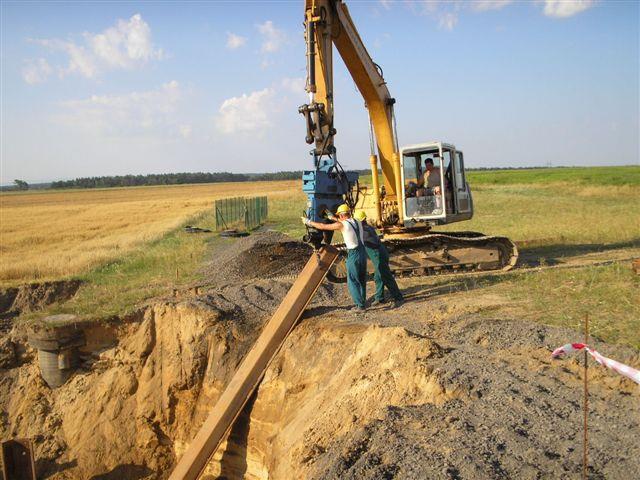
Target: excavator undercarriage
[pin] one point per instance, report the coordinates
(439, 254)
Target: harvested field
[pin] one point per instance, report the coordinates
(51, 234)
(448, 386)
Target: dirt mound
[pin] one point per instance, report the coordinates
(349, 399)
(517, 414)
(261, 255)
(131, 405)
(35, 296)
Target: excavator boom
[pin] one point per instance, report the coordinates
(328, 22)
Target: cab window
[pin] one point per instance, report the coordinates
(459, 172)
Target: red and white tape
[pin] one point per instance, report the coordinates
(621, 368)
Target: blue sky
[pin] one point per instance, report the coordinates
(106, 88)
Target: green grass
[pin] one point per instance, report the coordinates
(619, 176)
(285, 213)
(570, 215)
(609, 294)
(119, 287)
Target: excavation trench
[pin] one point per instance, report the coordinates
(410, 393)
(146, 385)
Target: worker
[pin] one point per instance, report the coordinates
(353, 235)
(379, 256)
(429, 184)
(431, 178)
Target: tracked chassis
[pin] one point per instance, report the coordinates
(440, 254)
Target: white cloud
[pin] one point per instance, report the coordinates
(484, 5)
(386, 4)
(294, 85)
(130, 114)
(381, 40)
(566, 8)
(81, 61)
(247, 113)
(36, 71)
(448, 20)
(124, 46)
(235, 41)
(445, 12)
(448, 12)
(272, 38)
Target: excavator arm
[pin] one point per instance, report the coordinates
(328, 23)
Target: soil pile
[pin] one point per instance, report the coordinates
(261, 255)
(125, 413)
(429, 390)
(34, 296)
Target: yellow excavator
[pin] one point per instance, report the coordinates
(423, 185)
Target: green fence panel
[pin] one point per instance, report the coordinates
(238, 212)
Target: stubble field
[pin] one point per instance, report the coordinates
(48, 235)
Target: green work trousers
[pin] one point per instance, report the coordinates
(383, 276)
(357, 275)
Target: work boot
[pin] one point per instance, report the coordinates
(378, 302)
(398, 302)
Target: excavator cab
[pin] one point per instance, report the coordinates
(435, 187)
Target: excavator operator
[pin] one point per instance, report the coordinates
(430, 180)
(353, 235)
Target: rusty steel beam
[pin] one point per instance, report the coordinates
(250, 372)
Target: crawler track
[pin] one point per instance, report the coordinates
(441, 254)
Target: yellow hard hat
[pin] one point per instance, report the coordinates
(344, 208)
(360, 215)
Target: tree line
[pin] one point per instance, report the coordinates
(175, 179)
(189, 177)
(154, 179)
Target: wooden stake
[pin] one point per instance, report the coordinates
(585, 445)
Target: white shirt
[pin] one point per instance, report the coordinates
(432, 179)
(349, 232)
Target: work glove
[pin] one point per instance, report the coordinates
(305, 220)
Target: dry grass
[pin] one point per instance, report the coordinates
(47, 235)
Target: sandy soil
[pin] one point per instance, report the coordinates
(429, 390)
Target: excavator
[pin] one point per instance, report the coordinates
(403, 207)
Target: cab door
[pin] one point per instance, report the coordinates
(463, 200)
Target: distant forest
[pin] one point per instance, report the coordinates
(176, 179)
(196, 177)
